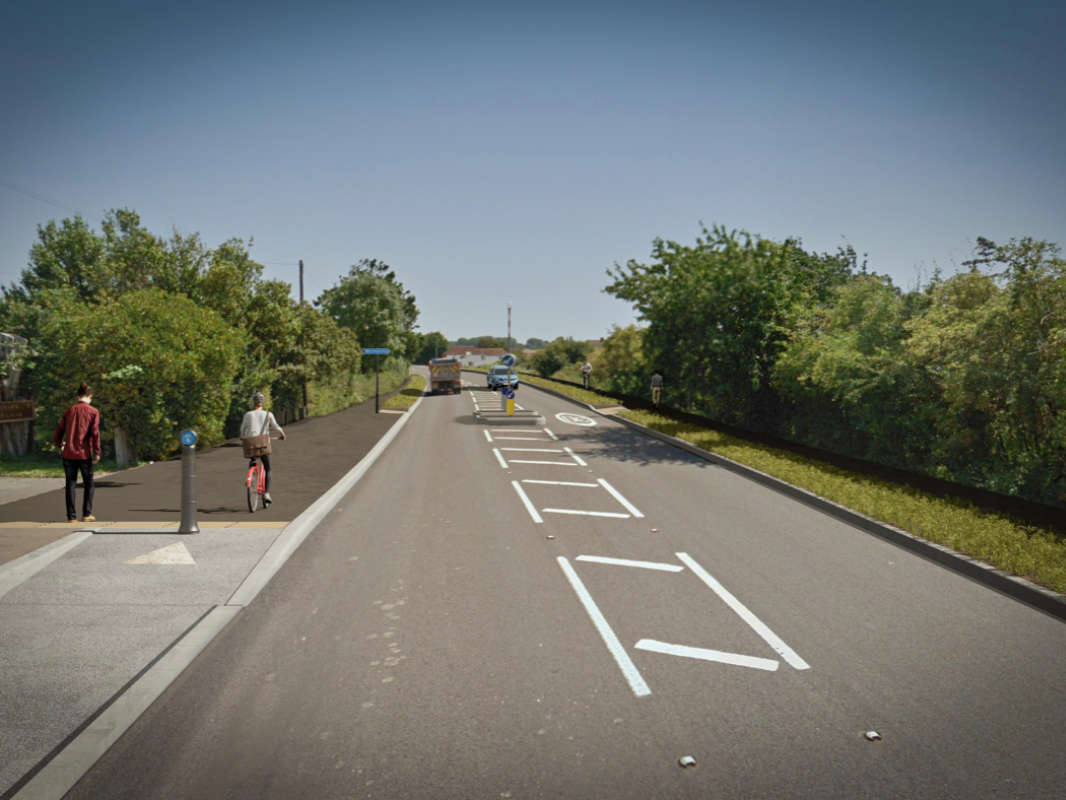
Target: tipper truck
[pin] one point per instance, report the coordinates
(445, 375)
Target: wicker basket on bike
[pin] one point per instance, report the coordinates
(255, 446)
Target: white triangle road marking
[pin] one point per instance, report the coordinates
(172, 554)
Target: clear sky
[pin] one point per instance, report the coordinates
(497, 153)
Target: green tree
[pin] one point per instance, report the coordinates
(719, 313)
(373, 304)
(559, 353)
(620, 363)
(157, 362)
(430, 345)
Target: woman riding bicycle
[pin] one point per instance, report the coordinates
(259, 422)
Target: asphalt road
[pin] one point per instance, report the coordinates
(432, 638)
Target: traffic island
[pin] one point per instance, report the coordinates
(498, 416)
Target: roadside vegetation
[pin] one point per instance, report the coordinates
(406, 397)
(171, 334)
(1012, 545)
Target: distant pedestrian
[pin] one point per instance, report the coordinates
(256, 426)
(586, 370)
(78, 433)
(656, 388)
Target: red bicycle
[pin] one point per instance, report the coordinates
(256, 485)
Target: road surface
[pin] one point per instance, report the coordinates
(568, 611)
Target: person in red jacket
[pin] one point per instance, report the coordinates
(78, 433)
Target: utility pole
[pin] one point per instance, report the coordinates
(303, 411)
(508, 327)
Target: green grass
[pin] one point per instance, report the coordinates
(1012, 545)
(43, 465)
(407, 397)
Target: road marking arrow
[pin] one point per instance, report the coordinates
(171, 555)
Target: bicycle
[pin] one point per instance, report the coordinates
(255, 485)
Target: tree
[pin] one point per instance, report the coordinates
(718, 315)
(371, 303)
(557, 355)
(158, 363)
(620, 362)
(430, 345)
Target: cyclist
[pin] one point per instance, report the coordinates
(257, 422)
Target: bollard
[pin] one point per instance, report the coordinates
(188, 483)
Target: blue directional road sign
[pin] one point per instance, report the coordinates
(509, 394)
(375, 351)
(188, 437)
(508, 360)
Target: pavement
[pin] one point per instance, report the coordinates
(91, 611)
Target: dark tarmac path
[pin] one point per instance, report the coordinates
(315, 454)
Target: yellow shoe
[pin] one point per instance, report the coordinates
(89, 518)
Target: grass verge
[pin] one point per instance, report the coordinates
(407, 397)
(44, 465)
(1010, 544)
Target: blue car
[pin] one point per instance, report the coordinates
(497, 377)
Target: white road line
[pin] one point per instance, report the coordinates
(530, 450)
(554, 463)
(561, 483)
(742, 611)
(499, 457)
(621, 657)
(625, 562)
(611, 514)
(617, 496)
(552, 435)
(703, 654)
(488, 436)
(518, 439)
(575, 456)
(525, 500)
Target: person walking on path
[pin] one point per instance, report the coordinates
(656, 388)
(586, 370)
(78, 434)
(259, 422)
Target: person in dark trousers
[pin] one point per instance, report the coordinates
(656, 388)
(78, 433)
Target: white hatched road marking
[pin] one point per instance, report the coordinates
(525, 501)
(579, 512)
(757, 625)
(561, 483)
(575, 456)
(625, 562)
(704, 654)
(499, 457)
(488, 436)
(552, 435)
(614, 647)
(618, 496)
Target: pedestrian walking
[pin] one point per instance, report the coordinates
(78, 434)
(656, 388)
(586, 370)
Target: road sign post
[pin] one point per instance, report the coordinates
(188, 482)
(379, 352)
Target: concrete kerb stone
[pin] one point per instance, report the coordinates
(1013, 586)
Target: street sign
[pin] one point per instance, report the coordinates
(509, 394)
(508, 360)
(375, 351)
(188, 438)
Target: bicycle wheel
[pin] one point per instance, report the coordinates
(253, 488)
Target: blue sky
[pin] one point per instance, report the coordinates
(497, 153)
